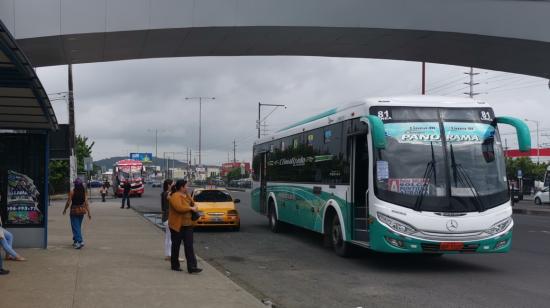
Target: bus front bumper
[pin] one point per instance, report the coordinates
(385, 240)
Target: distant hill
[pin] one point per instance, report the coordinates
(108, 163)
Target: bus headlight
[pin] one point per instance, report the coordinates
(395, 224)
(499, 226)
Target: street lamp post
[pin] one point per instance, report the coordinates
(200, 98)
(538, 144)
(259, 114)
(156, 131)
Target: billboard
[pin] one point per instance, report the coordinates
(143, 157)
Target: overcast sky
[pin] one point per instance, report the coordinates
(120, 104)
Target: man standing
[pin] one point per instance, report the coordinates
(126, 194)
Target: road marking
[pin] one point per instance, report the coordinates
(539, 231)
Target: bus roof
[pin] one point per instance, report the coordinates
(361, 108)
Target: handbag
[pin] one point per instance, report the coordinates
(78, 209)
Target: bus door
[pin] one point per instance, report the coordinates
(360, 185)
(263, 183)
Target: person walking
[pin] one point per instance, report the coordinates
(181, 227)
(79, 207)
(126, 194)
(6, 242)
(103, 192)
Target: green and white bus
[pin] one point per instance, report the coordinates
(406, 175)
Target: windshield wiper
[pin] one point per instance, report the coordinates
(460, 175)
(430, 169)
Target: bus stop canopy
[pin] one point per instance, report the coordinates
(23, 101)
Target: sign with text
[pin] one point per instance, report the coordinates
(143, 157)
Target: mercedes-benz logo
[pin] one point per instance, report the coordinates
(452, 225)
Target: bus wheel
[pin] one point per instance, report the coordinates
(274, 223)
(341, 248)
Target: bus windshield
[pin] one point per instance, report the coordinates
(440, 159)
(129, 176)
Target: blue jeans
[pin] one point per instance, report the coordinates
(7, 243)
(76, 226)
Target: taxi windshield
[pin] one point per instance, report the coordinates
(212, 196)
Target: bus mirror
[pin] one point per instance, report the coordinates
(522, 130)
(488, 149)
(377, 131)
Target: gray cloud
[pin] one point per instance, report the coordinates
(118, 103)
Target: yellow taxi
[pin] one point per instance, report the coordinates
(217, 208)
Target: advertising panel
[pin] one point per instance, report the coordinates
(23, 200)
(143, 157)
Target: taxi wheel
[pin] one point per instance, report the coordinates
(537, 201)
(237, 228)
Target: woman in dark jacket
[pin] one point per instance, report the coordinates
(181, 227)
(164, 205)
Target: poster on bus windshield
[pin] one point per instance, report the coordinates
(429, 132)
(23, 200)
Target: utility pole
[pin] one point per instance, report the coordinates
(200, 98)
(73, 164)
(471, 83)
(423, 78)
(538, 141)
(259, 122)
(234, 151)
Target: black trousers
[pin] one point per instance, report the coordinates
(185, 234)
(127, 198)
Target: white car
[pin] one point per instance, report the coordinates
(542, 196)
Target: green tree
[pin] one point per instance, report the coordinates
(59, 176)
(234, 174)
(82, 150)
(529, 168)
(59, 169)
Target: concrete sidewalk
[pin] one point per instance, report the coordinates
(122, 265)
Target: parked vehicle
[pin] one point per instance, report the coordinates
(217, 208)
(94, 184)
(542, 196)
(156, 184)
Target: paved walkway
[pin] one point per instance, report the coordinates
(122, 265)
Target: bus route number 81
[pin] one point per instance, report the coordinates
(384, 115)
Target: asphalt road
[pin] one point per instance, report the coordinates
(293, 269)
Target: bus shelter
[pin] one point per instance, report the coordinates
(26, 120)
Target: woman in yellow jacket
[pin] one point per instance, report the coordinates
(181, 227)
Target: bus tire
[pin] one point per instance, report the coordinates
(274, 223)
(335, 234)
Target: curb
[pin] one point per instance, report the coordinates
(235, 189)
(531, 212)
